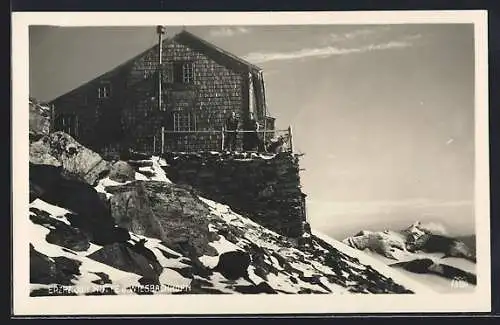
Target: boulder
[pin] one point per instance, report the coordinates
(121, 172)
(233, 265)
(60, 149)
(165, 211)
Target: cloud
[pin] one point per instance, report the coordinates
(434, 227)
(322, 52)
(333, 208)
(228, 31)
(351, 35)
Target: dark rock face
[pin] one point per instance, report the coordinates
(60, 149)
(57, 270)
(428, 266)
(91, 214)
(233, 265)
(165, 211)
(122, 257)
(266, 190)
(60, 233)
(121, 172)
(451, 247)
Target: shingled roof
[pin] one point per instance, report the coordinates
(214, 52)
(195, 43)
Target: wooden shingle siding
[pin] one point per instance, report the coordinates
(216, 90)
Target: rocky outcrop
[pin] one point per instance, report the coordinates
(60, 149)
(39, 120)
(90, 214)
(266, 188)
(450, 247)
(165, 211)
(123, 257)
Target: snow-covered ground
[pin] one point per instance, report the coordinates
(277, 264)
(293, 270)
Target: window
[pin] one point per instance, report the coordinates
(183, 72)
(67, 123)
(104, 91)
(184, 121)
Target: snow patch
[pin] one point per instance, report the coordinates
(54, 211)
(160, 174)
(140, 177)
(173, 279)
(103, 183)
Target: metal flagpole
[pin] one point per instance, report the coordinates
(160, 30)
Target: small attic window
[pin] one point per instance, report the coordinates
(104, 91)
(183, 72)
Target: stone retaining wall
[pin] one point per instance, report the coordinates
(265, 188)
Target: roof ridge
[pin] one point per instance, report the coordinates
(219, 49)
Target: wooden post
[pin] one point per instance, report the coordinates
(290, 136)
(154, 144)
(162, 140)
(222, 140)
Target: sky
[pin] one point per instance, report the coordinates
(384, 114)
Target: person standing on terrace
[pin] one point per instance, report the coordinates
(251, 140)
(231, 126)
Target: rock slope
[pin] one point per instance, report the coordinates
(129, 230)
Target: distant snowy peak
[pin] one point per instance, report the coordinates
(430, 237)
(419, 228)
(424, 251)
(386, 243)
